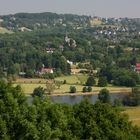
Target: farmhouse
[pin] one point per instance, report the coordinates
(50, 50)
(46, 70)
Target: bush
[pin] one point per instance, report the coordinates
(39, 91)
(89, 89)
(84, 89)
(64, 82)
(72, 89)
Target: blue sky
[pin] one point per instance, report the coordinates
(102, 8)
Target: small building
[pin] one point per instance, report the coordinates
(50, 50)
(70, 62)
(46, 70)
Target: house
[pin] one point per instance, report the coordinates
(50, 50)
(70, 62)
(137, 67)
(46, 70)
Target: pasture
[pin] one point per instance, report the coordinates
(73, 79)
(134, 115)
(28, 85)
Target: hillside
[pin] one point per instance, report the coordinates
(35, 21)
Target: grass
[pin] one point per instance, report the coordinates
(28, 88)
(134, 115)
(28, 85)
(73, 79)
(64, 88)
(4, 30)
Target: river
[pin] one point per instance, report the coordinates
(76, 99)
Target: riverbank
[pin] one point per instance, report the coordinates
(88, 93)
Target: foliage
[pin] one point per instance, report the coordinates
(90, 81)
(72, 89)
(43, 120)
(120, 77)
(64, 82)
(102, 82)
(133, 99)
(84, 89)
(50, 87)
(118, 102)
(104, 96)
(39, 91)
(89, 89)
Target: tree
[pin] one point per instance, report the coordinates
(133, 99)
(102, 82)
(89, 89)
(104, 96)
(39, 91)
(90, 81)
(118, 102)
(46, 120)
(84, 89)
(58, 84)
(72, 89)
(50, 87)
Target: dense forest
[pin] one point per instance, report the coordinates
(45, 120)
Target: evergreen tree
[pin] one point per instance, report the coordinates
(90, 81)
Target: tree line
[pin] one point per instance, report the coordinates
(45, 120)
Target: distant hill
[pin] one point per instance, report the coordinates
(47, 20)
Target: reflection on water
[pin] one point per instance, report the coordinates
(77, 99)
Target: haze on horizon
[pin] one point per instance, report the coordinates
(102, 8)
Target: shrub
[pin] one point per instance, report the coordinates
(72, 89)
(84, 89)
(39, 91)
(89, 89)
(64, 82)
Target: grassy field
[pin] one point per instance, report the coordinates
(28, 85)
(73, 79)
(4, 30)
(134, 115)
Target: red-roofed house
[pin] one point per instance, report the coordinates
(137, 67)
(46, 70)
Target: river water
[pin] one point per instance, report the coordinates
(76, 99)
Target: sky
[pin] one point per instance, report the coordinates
(101, 8)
